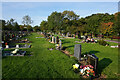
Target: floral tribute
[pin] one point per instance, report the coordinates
(86, 70)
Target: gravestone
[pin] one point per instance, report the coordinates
(17, 46)
(93, 60)
(60, 44)
(52, 39)
(55, 40)
(7, 46)
(77, 51)
(67, 34)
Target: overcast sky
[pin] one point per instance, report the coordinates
(39, 11)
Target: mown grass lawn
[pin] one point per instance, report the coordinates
(43, 63)
(108, 57)
(55, 64)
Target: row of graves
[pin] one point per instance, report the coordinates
(56, 40)
(88, 64)
(10, 38)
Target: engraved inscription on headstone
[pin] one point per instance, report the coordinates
(77, 51)
(92, 60)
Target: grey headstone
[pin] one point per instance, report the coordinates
(55, 40)
(60, 44)
(77, 51)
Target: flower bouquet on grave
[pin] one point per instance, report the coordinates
(76, 68)
(87, 71)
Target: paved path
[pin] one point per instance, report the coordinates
(113, 41)
(110, 40)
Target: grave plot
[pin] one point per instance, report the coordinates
(15, 52)
(17, 46)
(88, 67)
(24, 41)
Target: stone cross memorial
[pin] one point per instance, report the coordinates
(93, 60)
(77, 51)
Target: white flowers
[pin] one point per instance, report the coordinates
(15, 51)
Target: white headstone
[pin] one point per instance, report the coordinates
(7, 46)
(17, 46)
(53, 39)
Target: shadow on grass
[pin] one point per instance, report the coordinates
(64, 41)
(65, 47)
(102, 64)
(90, 52)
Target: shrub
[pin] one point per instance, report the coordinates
(102, 42)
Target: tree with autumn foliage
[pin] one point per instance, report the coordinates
(106, 28)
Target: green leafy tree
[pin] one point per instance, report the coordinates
(36, 28)
(44, 26)
(55, 22)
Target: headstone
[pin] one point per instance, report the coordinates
(7, 46)
(57, 40)
(17, 46)
(60, 44)
(77, 51)
(53, 39)
(93, 60)
(67, 34)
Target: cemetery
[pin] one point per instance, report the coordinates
(64, 46)
(87, 56)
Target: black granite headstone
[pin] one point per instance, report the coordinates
(77, 51)
(93, 60)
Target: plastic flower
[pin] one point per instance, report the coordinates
(88, 68)
(87, 74)
(75, 66)
(81, 70)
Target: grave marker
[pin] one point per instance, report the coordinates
(7, 46)
(55, 40)
(93, 60)
(17, 46)
(77, 51)
(60, 44)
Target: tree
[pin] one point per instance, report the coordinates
(70, 15)
(106, 28)
(44, 26)
(69, 21)
(17, 27)
(36, 28)
(27, 21)
(55, 22)
(117, 23)
(3, 23)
